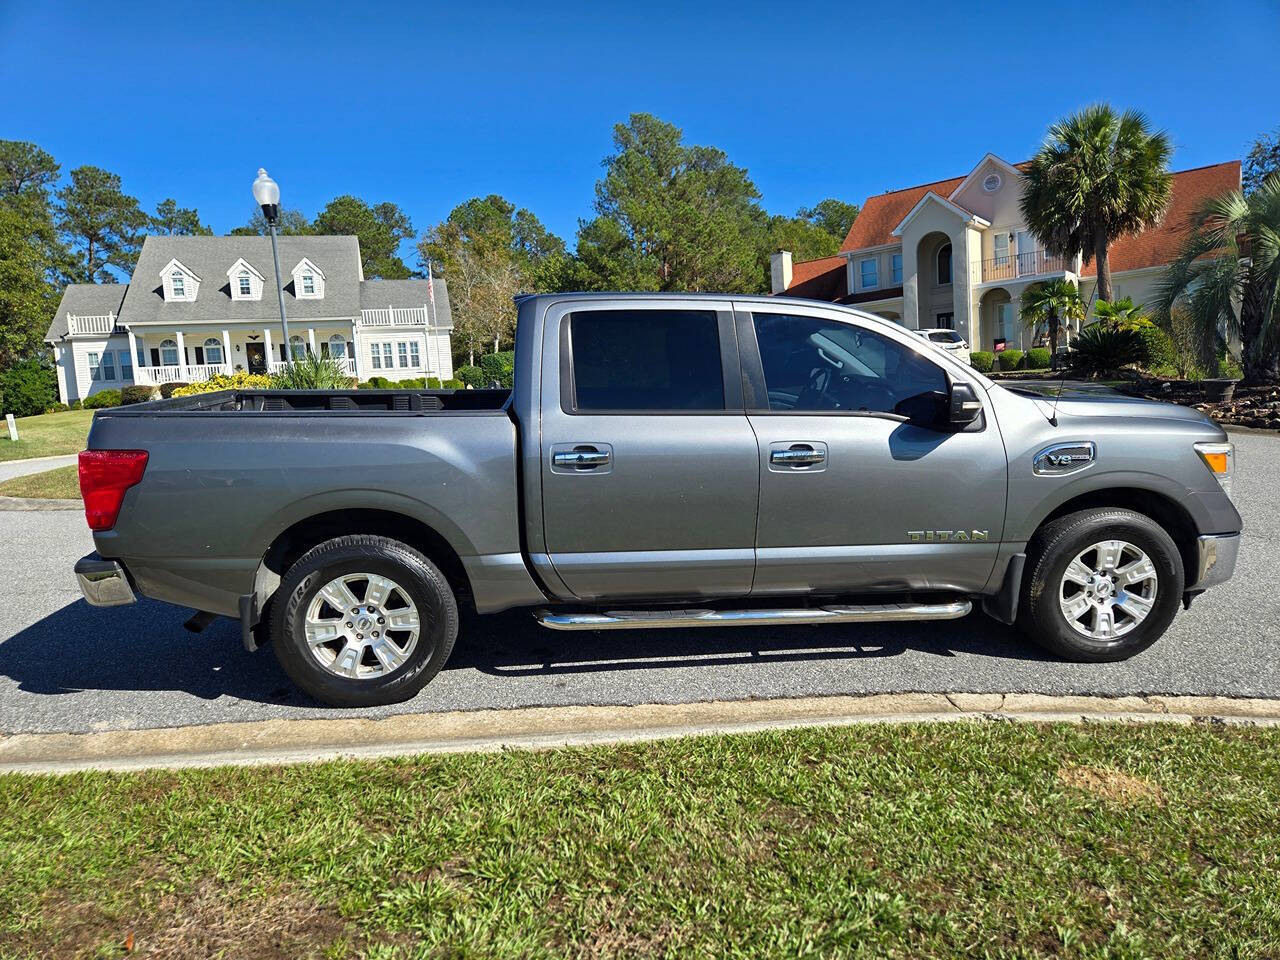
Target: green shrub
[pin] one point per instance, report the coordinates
(101, 399)
(77, 404)
(982, 360)
(454, 384)
(137, 394)
(498, 367)
(471, 376)
(1160, 349)
(167, 390)
(58, 408)
(310, 372)
(28, 388)
(433, 383)
(1100, 348)
(1009, 359)
(1228, 369)
(1037, 358)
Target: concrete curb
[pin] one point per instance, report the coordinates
(35, 503)
(54, 456)
(532, 728)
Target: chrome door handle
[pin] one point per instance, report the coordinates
(797, 456)
(581, 459)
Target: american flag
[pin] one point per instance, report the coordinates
(431, 291)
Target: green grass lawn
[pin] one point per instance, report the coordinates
(62, 483)
(46, 435)
(976, 839)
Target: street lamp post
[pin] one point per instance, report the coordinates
(267, 193)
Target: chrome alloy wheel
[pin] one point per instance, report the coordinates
(1108, 589)
(362, 626)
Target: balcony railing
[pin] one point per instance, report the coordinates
(102, 324)
(401, 317)
(1032, 263)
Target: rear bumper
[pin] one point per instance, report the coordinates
(103, 582)
(1215, 560)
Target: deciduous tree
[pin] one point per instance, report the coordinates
(1262, 161)
(291, 223)
(380, 228)
(174, 220)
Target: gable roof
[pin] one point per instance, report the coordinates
(1160, 245)
(211, 256)
(968, 216)
(85, 300)
(875, 222)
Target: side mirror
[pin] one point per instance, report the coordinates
(963, 405)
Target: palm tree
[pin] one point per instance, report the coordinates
(1052, 303)
(1098, 177)
(1228, 275)
(1122, 314)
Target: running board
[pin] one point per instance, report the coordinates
(655, 619)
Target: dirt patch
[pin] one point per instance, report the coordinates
(1111, 785)
(204, 922)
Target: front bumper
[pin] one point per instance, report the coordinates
(103, 582)
(1215, 560)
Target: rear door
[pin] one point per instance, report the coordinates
(852, 497)
(649, 466)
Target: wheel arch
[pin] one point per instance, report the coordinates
(295, 540)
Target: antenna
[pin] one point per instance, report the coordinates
(1053, 416)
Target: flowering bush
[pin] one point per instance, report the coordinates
(221, 381)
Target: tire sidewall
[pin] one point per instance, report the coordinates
(413, 573)
(1051, 623)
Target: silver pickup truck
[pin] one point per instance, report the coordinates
(662, 461)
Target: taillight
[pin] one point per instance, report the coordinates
(104, 477)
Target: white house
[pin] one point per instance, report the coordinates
(197, 306)
(957, 254)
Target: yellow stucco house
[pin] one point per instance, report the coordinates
(957, 254)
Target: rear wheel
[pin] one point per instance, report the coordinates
(362, 621)
(1101, 585)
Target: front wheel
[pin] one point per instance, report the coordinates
(363, 621)
(1101, 585)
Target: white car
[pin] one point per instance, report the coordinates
(948, 340)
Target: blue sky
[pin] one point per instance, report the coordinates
(429, 104)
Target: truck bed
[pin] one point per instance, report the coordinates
(319, 401)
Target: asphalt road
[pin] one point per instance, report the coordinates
(65, 666)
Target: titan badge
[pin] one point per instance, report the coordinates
(948, 536)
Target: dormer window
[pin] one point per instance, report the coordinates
(179, 283)
(308, 281)
(244, 281)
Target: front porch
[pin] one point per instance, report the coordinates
(193, 354)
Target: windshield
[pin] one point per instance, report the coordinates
(946, 336)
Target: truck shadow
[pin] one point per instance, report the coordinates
(144, 647)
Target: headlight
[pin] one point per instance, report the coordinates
(1220, 458)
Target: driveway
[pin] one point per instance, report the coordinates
(20, 468)
(65, 666)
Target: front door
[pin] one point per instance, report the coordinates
(649, 477)
(256, 356)
(852, 497)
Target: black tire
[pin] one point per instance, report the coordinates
(417, 576)
(1051, 551)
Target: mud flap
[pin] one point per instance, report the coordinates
(1004, 605)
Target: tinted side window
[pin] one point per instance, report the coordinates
(646, 360)
(816, 364)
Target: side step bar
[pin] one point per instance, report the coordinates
(655, 619)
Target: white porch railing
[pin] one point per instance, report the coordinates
(348, 365)
(394, 316)
(190, 373)
(99, 323)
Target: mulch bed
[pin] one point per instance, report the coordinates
(1250, 407)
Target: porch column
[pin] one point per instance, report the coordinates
(266, 342)
(353, 353)
(133, 353)
(311, 340)
(182, 357)
(426, 326)
(226, 351)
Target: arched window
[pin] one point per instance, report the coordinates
(179, 283)
(944, 263)
(246, 285)
(168, 353)
(337, 346)
(297, 349)
(213, 350)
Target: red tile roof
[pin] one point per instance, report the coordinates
(821, 279)
(880, 214)
(1159, 245)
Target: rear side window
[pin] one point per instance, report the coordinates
(646, 360)
(945, 336)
